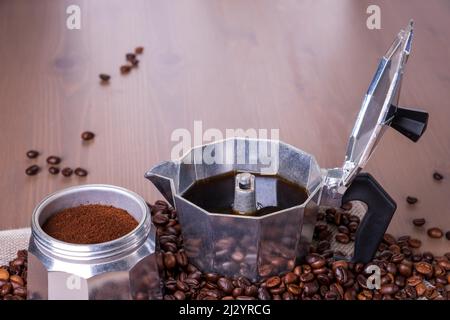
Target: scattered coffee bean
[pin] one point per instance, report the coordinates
(424, 268)
(87, 135)
(32, 170)
(419, 222)
(130, 57)
(414, 243)
(437, 176)
(411, 200)
(435, 233)
(125, 69)
(104, 77)
(53, 170)
(81, 172)
(139, 50)
(273, 282)
(135, 63)
(32, 154)
(447, 235)
(342, 238)
(66, 172)
(53, 160)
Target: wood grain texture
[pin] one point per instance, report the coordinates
(300, 66)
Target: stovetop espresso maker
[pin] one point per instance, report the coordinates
(243, 216)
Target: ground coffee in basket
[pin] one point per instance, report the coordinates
(89, 224)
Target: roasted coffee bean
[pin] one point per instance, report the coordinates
(160, 219)
(447, 235)
(237, 292)
(342, 238)
(341, 275)
(343, 229)
(389, 289)
(435, 233)
(87, 135)
(323, 279)
(125, 69)
(251, 291)
(315, 261)
(437, 176)
(179, 295)
(81, 172)
(347, 206)
(53, 170)
(404, 270)
(32, 154)
(307, 277)
(181, 258)
(139, 50)
(66, 172)
(389, 239)
(419, 222)
(339, 263)
(273, 282)
(130, 57)
(169, 260)
(263, 294)
(294, 289)
(212, 277)
(311, 288)
(290, 277)
(32, 170)
(225, 285)
(420, 289)
(6, 289)
(4, 274)
(414, 243)
(411, 200)
(135, 63)
(245, 298)
(53, 160)
(104, 77)
(424, 268)
(428, 256)
(353, 226)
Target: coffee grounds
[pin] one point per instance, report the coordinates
(89, 224)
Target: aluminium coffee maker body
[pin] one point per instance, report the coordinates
(121, 269)
(259, 246)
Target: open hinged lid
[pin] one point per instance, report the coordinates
(379, 108)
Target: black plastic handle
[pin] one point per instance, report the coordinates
(381, 208)
(409, 122)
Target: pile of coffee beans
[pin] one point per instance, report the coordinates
(54, 161)
(13, 278)
(406, 274)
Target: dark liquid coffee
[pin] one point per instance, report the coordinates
(273, 193)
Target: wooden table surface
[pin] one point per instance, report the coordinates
(298, 66)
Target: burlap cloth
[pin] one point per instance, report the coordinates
(11, 241)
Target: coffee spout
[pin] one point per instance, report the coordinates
(164, 177)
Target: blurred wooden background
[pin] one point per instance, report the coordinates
(300, 66)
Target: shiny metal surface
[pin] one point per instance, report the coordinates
(124, 268)
(244, 194)
(382, 93)
(239, 244)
